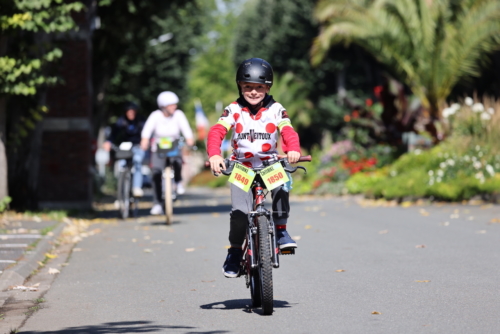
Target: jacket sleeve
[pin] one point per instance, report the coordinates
(290, 138)
(149, 126)
(184, 125)
(214, 139)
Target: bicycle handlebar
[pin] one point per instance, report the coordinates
(281, 158)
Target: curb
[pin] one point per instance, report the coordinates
(23, 268)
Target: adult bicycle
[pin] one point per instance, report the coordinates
(127, 202)
(260, 250)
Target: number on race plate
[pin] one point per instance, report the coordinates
(241, 178)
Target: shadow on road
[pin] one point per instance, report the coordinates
(242, 304)
(125, 327)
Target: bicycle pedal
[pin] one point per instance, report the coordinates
(287, 251)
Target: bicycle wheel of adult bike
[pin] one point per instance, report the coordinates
(266, 267)
(124, 181)
(169, 202)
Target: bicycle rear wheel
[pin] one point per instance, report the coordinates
(169, 210)
(266, 267)
(124, 180)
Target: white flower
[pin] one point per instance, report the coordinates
(489, 169)
(491, 111)
(447, 112)
(440, 173)
(485, 116)
(442, 165)
(497, 166)
(455, 106)
(479, 175)
(466, 158)
(480, 154)
(477, 107)
(431, 182)
(474, 158)
(438, 180)
(477, 164)
(478, 147)
(393, 173)
(417, 151)
(450, 162)
(469, 101)
(431, 172)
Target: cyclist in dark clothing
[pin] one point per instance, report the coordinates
(128, 128)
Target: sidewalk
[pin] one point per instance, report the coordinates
(23, 243)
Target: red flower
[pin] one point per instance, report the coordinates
(369, 102)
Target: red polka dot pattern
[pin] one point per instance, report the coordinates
(239, 128)
(270, 128)
(235, 144)
(247, 163)
(265, 158)
(248, 155)
(236, 116)
(266, 147)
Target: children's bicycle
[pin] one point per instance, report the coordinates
(260, 250)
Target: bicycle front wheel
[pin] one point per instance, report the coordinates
(266, 267)
(123, 195)
(169, 210)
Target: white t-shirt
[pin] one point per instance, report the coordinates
(158, 126)
(254, 137)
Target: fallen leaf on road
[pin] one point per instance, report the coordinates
(147, 237)
(470, 218)
(340, 270)
(296, 237)
(53, 271)
(455, 215)
(420, 246)
(495, 220)
(147, 250)
(406, 204)
(193, 289)
(375, 312)
(50, 256)
(77, 249)
(445, 224)
(190, 249)
(25, 288)
(424, 281)
(481, 232)
(134, 240)
(383, 232)
(215, 214)
(156, 242)
(307, 227)
(424, 213)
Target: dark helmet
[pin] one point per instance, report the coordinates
(130, 105)
(255, 70)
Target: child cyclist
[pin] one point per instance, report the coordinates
(256, 120)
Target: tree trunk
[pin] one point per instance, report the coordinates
(3, 156)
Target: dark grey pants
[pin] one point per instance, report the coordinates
(157, 167)
(242, 203)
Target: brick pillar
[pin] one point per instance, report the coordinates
(65, 179)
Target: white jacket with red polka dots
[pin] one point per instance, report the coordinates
(254, 137)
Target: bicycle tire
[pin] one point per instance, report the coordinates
(169, 214)
(265, 267)
(124, 180)
(255, 286)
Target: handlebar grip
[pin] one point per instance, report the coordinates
(306, 158)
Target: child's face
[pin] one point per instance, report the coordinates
(253, 93)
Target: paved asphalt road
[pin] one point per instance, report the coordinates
(428, 269)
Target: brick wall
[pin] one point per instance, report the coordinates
(65, 180)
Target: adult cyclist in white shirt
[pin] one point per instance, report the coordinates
(167, 121)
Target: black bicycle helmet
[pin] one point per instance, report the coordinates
(255, 70)
(130, 105)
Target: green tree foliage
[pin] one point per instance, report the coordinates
(430, 45)
(212, 76)
(23, 61)
(141, 49)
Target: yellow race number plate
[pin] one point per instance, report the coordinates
(274, 176)
(242, 177)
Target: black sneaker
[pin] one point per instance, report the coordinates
(231, 267)
(284, 239)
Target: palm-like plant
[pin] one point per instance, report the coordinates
(430, 44)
